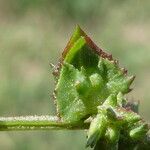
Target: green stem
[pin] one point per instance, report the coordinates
(38, 123)
(45, 123)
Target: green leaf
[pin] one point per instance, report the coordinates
(91, 84)
(87, 77)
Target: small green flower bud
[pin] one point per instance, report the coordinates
(97, 130)
(139, 132)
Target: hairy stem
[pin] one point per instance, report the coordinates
(38, 123)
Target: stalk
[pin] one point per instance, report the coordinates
(38, 123)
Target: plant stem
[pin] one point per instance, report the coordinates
(38, 123)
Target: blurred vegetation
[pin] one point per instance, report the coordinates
(33, 34)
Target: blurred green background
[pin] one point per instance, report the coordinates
(33, 33)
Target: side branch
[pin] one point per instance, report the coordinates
(38, 123)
